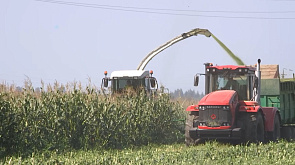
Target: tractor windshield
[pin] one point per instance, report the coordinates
(121, 84)
(231, 81)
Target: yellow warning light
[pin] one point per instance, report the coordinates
(105, 72)
(210, 64)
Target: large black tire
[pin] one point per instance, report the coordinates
(254, 131)
(188, 125)
(275, 135)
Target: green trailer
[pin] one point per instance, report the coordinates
(279, 93)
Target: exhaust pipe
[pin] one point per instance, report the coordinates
(258, 82)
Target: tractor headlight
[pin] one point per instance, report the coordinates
(202, 107)
(225, 107)
(202, 124)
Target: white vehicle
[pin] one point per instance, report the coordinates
(120, 80)
(134, 79)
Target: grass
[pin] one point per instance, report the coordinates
(208, 153)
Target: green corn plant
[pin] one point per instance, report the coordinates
(62, 117)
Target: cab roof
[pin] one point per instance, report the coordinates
(232, 67)
(130, 73)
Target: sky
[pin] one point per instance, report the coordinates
(77, 40)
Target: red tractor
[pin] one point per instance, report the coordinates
(232, 110)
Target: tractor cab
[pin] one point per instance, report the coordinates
(241, 79)
(135, 80)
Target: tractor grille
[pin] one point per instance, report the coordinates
(214, 116)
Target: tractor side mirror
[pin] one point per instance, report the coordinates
(196, 80)
(153, 82)
(105, 82)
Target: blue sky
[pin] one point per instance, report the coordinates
(69, 40)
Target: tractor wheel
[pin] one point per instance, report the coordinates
(275, 135)
(254, 131)
(188, 125)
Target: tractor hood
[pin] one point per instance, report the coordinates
(222, 97)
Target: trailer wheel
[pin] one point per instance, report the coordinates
(254, 131)
(275, 135)
(188, 125)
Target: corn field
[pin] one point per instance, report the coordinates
(74, 125)
(61, 118)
